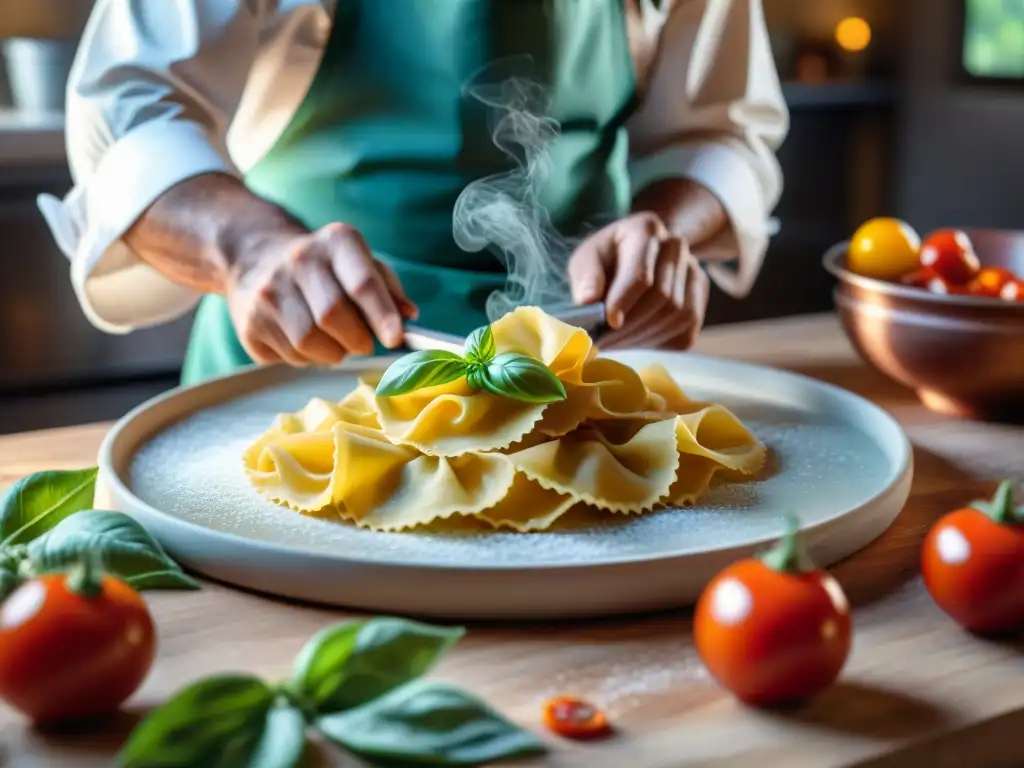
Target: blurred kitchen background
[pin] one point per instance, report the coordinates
(912, 108)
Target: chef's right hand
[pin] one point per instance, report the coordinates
(314, 298)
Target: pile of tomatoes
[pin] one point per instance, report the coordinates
(946, 262)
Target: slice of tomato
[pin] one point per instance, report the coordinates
(575, 718)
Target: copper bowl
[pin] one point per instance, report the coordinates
(962, 355)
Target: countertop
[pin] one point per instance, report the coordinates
(916, 691)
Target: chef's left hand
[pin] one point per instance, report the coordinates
(654, 290)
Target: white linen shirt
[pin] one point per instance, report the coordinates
(164, 90)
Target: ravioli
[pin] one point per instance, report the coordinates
(450, 457)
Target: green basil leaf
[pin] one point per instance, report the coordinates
(480, 346)
(428, 723)
(475, 377)
(348, 665)
(419, 370)
(520, 377)
(128, 550)
(218, 721)
(37, 503)
(283, 742)
(167, 579)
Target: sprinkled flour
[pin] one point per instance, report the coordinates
(817, 468)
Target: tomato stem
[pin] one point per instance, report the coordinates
(86, 577)
(789, 555)
(1001, 507)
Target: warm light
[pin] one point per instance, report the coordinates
(853, 34)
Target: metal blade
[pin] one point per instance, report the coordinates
(418, 339)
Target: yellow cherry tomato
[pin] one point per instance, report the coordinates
(885, 249)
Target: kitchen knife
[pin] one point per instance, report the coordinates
(589, 317)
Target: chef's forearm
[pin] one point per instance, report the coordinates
(195, 232)
(688, 209)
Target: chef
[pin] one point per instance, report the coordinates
(292, 166)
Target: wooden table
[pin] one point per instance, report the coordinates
(916, 689)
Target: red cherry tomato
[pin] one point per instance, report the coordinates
(938, 285)
(775, 629)
(575, 718)
(919, 278)
(73, 646)
(990, 282)
(950, 255)
(972, 562)
(1013, 291)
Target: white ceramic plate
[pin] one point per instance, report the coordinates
(840, 463)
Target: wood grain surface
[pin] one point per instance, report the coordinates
(916, 691)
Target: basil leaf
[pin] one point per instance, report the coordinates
(475, 377)
(480, 346)
(428, 723)
(350, 664)
(37, 503)
(128, 550)
(171, 578)
(419, 370)
(520, 377)
(283, 742)
(217, 721)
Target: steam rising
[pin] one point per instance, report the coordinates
(503, 211)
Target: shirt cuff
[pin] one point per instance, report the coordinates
(727, 174)
(118, 291)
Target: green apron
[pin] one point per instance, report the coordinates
(386, 140)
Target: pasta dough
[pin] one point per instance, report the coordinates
(621, 442)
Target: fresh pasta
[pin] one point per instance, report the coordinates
(621, 442)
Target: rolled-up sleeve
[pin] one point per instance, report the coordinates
(150, 98)
(712, 110)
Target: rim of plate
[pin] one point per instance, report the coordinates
(903, 464)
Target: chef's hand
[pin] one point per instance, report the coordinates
(654, 290)
(307, 298)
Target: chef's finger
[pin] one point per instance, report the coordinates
(635, 262)
(357, 273)
(295, 318)
(696, 288)
(405, 304)
(260, 352)
(656, 310)
(649, 313)
(250, 339)
(589, 268)
(678, 334)
(264, 324)
(272, 336)
(334, 314)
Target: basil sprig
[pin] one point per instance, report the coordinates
(511, 375)
(357, 685)
(47, 524)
